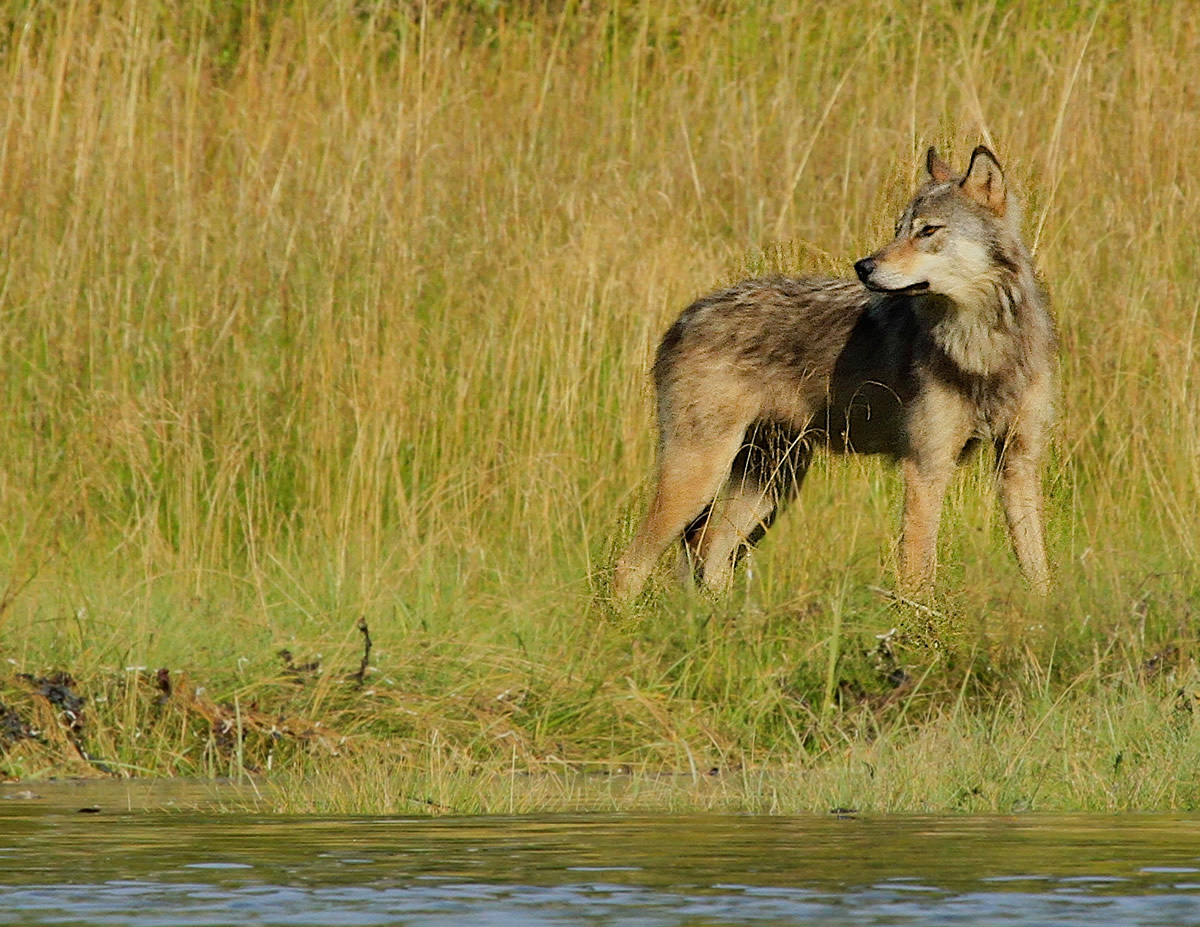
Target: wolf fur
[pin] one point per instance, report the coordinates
(944, 340)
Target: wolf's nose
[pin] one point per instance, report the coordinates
(864, 268)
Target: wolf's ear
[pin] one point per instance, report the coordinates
(984, 182)
(939, 170)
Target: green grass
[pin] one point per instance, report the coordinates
(313, 313)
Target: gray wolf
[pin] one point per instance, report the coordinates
(944, 341)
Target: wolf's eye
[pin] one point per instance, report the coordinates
(928, 231)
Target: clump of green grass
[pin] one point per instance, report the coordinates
(310, 316)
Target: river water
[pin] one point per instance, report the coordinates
(77, 856)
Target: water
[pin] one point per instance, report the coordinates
(60, 865)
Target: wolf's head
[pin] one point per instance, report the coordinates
(956, 234)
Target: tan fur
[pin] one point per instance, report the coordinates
(939, 170)
(945, 341)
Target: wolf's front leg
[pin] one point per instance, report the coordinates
(924, 491)
(1021, 496)
(938, 425)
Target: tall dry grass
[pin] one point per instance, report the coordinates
(313, 311)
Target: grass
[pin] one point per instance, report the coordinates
(320, 313)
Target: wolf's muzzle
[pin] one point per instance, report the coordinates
(864, 268)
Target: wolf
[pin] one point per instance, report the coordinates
(945, 340)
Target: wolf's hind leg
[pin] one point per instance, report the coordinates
(690, 474)
(740, 516)
(766, 474)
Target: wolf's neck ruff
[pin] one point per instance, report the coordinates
(987, 329)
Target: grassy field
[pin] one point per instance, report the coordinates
(328, 322)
